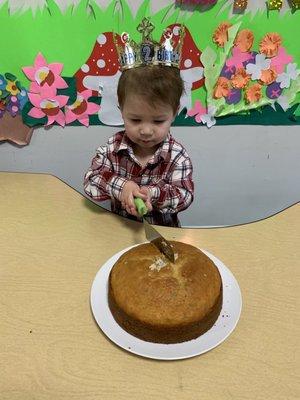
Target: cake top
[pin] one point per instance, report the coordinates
(152, 289)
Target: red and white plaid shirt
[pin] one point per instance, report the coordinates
(168, 176)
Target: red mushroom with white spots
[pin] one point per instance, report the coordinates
(191, 68)
(101, 73)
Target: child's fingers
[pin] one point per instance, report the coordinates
(139, 193)
(148, 205)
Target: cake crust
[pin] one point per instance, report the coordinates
(162, 302)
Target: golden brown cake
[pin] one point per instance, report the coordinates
(158, 301)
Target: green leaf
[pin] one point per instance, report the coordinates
(10, 77)
(208, 57)
(297, 111)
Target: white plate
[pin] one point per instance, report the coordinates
(225, 324)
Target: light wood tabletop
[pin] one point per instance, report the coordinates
(53, 242)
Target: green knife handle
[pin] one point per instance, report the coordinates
(140, 206)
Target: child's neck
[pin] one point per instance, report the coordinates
(143, 154)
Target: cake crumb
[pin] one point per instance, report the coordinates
(158, 264)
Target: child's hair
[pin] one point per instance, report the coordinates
(157, 84)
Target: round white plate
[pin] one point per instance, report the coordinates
(225, 324)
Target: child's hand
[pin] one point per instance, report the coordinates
(146, 192)
(129, 191)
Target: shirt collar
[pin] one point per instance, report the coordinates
(162, 150)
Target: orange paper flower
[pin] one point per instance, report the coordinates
(244, 40)
(220, 36)
(253, 93)
(268, 76)
(240, 79)
(222, 88)
(270, 44)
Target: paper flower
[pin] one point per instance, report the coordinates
(279, 62)
(13, 106)
(240, 79)
(234, 96)
(209, 118)
(273, 90)
(253, 93)
(197, 111)
(270, 44)
(13, 86)
(261, 63)
(238, 58)
(2, 108)
(3, 82)
(244, 40)
(220, 35)
(43, 73)
(12, 96)
(291, 74)
(48, 104)
(283, 102)
(268, 76)
(251, 59)
(222, 88)
(81, 109)
(227, 72)
(22, 97)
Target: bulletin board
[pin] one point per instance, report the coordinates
(240, 65)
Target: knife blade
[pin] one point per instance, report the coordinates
(152, 234)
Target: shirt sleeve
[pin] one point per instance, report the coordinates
(176, 193)
(100, 181)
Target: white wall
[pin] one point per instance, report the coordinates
(241, 173)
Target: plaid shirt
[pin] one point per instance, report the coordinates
(168, 176)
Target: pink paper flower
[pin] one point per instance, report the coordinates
(197, 111)
(81, 108)
(238, 58)
(48, 104)
(281, 60)
(43, 73)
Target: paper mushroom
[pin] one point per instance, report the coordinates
(100, 73)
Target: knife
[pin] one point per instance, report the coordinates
(152, 234)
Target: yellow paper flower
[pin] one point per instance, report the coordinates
(244, 40)
(240, 79)
(222, 88)
(220, 35)
(12, 88)
(270, 44)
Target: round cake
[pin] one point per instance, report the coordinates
(164, 302)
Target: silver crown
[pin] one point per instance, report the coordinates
(149, 52)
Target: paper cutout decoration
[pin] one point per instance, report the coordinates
(12, 129)
(13, 97)
(47, 103)
(43, 73)
(295, 4)
(274, 4)
(81, 108)
(240, 5)
(191, 67)
(101, 73)
(197, 2)
(42, 93)
(249, 79)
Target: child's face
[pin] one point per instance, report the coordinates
(145, 125)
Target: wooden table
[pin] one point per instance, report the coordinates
(53, 242)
